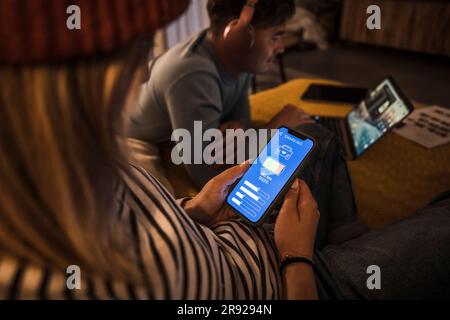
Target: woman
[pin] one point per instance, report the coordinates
(68, 197)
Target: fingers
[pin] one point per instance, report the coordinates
(307, 119)
(289, 106)
(228, 177)
(294, 108)
(290, 109)
(291, 200)
(299, 112)
(306, 199)
(298, 198)
(304, 189)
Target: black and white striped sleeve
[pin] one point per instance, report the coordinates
(185, 260)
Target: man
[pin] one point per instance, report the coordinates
(203, 80)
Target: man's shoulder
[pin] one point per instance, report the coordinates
(193, 68)
(183, 61)
(193, 64)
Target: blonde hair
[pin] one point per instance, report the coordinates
(60, 160)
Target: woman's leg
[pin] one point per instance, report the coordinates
(413, 257)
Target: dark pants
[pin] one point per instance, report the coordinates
(413, 257)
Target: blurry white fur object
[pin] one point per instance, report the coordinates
(313, 30)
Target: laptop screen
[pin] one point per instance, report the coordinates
(382, 109)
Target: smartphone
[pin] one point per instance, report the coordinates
(330, 93)
(269, 177)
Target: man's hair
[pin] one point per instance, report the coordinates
(268, 13)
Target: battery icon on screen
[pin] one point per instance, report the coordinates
(273, 166)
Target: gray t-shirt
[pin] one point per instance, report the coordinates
(188, 84)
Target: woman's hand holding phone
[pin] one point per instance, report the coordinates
(295, 227)
(295, 233)
(296, 224)
(207, 207)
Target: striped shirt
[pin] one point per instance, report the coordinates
(179, 258)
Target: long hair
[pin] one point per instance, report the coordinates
(60, 160)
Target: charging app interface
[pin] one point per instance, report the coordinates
(266, 177)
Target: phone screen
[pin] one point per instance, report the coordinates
(382, 109)
(335, 93)
(279, 161)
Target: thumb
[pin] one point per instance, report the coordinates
(291, 199)
(306, 197)
(228, 177)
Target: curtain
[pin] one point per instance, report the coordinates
(194, 20)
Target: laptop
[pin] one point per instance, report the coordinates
(383, 108)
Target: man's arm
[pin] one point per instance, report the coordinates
(196, 98)
(241, 111)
